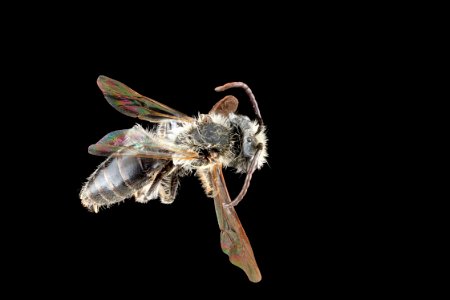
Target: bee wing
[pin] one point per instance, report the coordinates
(225, 106)
(132, 104)
(137, 142)
(233, 240)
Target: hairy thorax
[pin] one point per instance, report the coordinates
(213, 141)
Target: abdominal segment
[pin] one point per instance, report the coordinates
(119, 178)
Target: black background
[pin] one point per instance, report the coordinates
(307, 211)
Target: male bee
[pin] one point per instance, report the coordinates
(148, 164)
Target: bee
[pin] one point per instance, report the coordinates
(148, 164)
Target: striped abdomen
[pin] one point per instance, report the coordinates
(118, 178)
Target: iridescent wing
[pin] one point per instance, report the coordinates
(225, 106)
(233, 240)
(132, 104)
(140, 143)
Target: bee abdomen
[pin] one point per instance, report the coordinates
(117, 179)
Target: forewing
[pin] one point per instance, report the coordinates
(136, 142)
(132, 104)
(225, 106)
(234, 241)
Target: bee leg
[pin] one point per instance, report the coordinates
(206, 180)
(150, 191)
(169, 186)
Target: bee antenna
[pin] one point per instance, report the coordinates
(248, 178)
(249, 93)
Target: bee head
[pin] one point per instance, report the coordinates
(249, 143)
(251, 150)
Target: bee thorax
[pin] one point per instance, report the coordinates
(211, 135)
(211, 140)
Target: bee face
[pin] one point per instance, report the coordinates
(248, 142)
(249, 146)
